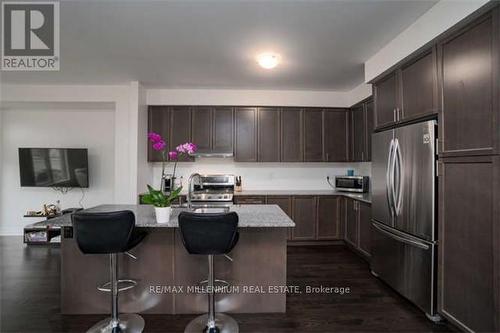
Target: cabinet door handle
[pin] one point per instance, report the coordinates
(394, 114)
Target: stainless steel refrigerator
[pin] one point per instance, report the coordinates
(403, 212)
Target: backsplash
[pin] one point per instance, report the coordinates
(268, 176)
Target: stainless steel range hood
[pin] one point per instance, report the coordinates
(213, 154)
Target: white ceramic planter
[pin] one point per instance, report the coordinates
(163, 214)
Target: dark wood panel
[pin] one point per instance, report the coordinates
(313, 135)
(158, 122)
(365, 216)
(358, 136)
(202, 128)
(180, 128)
(304, 216)
(268, 135)
(369, 107)
(328, 218)
(351, 222)
(245, 149)
(250, 200)
(291, 135)
(386, 100)
(336, 135)
(223, 129)
(418, 86)
(468, 120)
(468, 237)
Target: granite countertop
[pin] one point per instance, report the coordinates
(365, 197)
(250, 216)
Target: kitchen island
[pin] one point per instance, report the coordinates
(168, 278)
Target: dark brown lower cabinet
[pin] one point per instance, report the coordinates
(250, 200)
(304, 216)
(351, 222)
(469, 242)
(365, 216)
(328, 218)
(285, 203)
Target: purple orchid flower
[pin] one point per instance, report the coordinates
(173, 155)
(159, 145)
(154, 137)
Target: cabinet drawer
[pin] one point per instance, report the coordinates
(250, 200)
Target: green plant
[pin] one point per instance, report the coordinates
(158, 198)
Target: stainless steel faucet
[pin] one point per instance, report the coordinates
(190, 187)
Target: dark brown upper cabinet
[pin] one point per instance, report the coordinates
(336, 135)
(470, 87)
(202, 128)
(328, 218)
(292, 141)
(268, 135)
(158, 122)
(305, 217)
(313, 135)
(180, 128)
(222, 128)
(245, 120)
(369, 109)
(358, 136)
(409, 92)
(419, 87)
(385, 92)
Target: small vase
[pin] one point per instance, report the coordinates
(163, 214)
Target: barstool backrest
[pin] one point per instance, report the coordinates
(208, 233)
(100, 233)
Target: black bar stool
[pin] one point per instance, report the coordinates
(210, 234)
(110, 233)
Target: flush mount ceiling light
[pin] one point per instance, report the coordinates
(268, 60)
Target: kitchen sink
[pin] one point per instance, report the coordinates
(211, 210)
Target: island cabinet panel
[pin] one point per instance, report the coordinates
(336, 135)
(470, 62)
(292, 138)
(158, 122)
(364, 224)
(369, 109)
(305, 217)
(386, 100)
(328, 218)
(245, 149)
(180, 128)
(351, 222)
(222, 138)
(202, 128)
(268, 135)
(358, 137)
(285, 203)
(419, 86)
(313, 135)
(469, 243)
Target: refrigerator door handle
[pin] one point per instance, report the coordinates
(399, 163)
(389, 178)
(399, 238)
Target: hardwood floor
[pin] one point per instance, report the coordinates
(29, 299)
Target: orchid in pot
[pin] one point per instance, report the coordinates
(158, 198)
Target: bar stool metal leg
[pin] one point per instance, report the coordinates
(125, 323)
(212, 322)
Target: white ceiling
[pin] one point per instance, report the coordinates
(212, 44)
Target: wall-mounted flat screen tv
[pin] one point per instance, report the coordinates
(54, 167)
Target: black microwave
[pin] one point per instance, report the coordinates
(352, 183)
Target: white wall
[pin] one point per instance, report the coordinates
(267, 176)
(89, 128)
(438, 19)
(157, 96)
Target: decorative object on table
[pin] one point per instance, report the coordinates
(350, 172)
(237, 186)
(168, 182)
(161, 202)
(48, 211)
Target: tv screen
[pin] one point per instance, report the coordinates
(53, 167)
